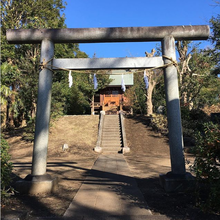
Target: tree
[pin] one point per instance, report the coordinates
(137, 94)
(215, 39)
(153, 79)
(79, 98)
(195, 75)
(24, 59)
(9, 81)
(207, 149)
(6, 169)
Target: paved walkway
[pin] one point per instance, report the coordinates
(109, 192)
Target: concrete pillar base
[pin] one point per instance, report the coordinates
(173, 183)
(34, 185)
(98, 149)
(125, 150)
(102, 112)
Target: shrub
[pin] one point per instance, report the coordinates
(192, 120)
(6, 169)
(207, 167)
(29, 130)
(159, 123)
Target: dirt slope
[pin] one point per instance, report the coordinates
(148, 158)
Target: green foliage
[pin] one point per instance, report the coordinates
(159, 123)
(79, 96)
(137, 95)
(202, 85)
(215, 39)
(6, 169)
(20, 63)
(206, 167)
(192, 120)
(29, 130)
(159, 98)
(77, 103)
(196, 80)
(77, 99)
(5, 93)
(10, 73)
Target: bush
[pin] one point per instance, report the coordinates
(192, 120)
(159, 123)
(6, 169)
(29, 130)
(207, 167)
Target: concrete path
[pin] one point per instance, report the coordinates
(109, 192)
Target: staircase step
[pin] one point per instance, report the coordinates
(114, 125)
(111, 134)
(104, 142)
(108, 136)
(111, 131)
(110, 124)
(111, 149)
(111, 138)
(111, 143)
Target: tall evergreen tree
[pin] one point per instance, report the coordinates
(215, 39)
(22, 61)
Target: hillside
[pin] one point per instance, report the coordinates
(148, 158)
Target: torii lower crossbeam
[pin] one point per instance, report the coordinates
(107, 63)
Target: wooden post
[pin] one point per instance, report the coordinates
(92, 106)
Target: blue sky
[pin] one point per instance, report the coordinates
(135, 13)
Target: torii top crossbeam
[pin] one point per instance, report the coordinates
(118, 34)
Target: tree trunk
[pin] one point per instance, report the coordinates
(92, 106)
(151, 85)
(10, 109)
(149, 103)
(182, 48)
(3, 115)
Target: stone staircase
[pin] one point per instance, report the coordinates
(111, 134)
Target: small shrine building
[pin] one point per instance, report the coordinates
(112, 99)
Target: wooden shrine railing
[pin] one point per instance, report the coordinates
(111, 99)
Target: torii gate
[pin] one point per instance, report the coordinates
(48, 37)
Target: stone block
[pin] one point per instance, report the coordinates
(14, 215)
(126, 150)
(98, 149)
(173, 183)
(35, 187)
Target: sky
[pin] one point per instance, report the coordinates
(135, 13)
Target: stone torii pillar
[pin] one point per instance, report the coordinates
(172, 181)
(177, 179)
(39, 164)
(39, 181)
